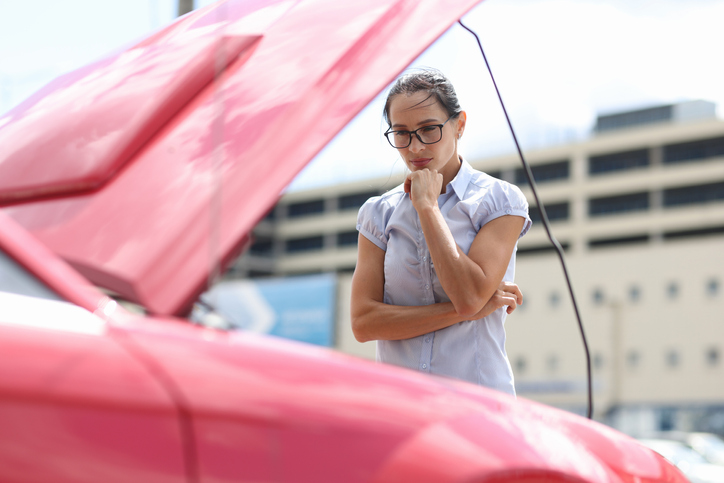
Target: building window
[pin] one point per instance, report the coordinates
(495, 174)
(261, 247)
(672, 290)
(667, 419)
(347, 238)
(625, 240)
(633, 359)
(712, 356)
(311, 243)
(521, 364)
(607, 163)
(694, 150)
(690, 195)
(355, 201)
(306, 208)
(673, 359)
(537, 250)
(542, 173)
(634, 293)
(524, 306)
(552, 363)
(259, 273)
(695, 233)
(598, 297)
(618, 204)
(555, 212)
(597, 361)
(712, 287)
(271, 215)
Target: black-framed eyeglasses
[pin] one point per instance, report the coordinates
(427, 135)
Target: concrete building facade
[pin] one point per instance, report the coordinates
(639, 210)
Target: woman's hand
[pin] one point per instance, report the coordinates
(424, 186)
(508, 294)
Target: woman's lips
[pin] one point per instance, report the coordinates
(420, 162)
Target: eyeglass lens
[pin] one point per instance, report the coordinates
(426, 135)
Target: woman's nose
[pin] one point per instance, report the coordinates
(416, 145)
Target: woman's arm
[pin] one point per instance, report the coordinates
(469, 280)
(372, 319)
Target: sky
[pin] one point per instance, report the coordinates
(558, 63)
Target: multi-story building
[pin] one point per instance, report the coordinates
(639, 211)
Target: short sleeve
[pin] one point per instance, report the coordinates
(500, 199)
(372, 220)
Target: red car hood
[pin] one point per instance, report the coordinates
(395, 424)
(147, 170)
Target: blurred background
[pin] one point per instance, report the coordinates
(618, 107)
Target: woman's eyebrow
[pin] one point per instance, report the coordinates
(426, 121)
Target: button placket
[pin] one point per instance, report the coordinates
(426, 352)
(423, 255)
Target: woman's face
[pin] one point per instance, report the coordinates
(408, 113)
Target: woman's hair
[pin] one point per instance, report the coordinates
(431, 81)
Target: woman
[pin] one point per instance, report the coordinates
(436, 255)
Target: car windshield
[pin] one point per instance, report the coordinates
(16, 279)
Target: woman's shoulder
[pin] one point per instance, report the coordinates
(487, 198)
(375, 214)
(385, 201)
(482, 179)
(487, 186)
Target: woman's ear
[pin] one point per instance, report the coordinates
(462, 119)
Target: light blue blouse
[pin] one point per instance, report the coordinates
(473, 350)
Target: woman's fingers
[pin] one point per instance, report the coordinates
(408, 185)
(424, 186)
(507, 295)
(503, 298)
(513, 289)
(500, 298)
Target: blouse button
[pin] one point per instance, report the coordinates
(424, 366)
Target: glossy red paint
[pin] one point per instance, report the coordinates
(90, 392)
(302, 413)
(109, 401)
(108, 110)
(75, 405)
(149, 232)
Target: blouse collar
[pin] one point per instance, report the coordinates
(460, 182)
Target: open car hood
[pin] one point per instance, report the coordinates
(148, 169)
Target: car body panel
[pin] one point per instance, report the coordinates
(392, 423)
(187, 198)
(75, 405)
(125, 100)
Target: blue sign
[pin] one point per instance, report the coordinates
(299, 308)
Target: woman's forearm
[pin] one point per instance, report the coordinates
(463, 280)
(372, 320)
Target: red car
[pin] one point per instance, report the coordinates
(143, 174)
